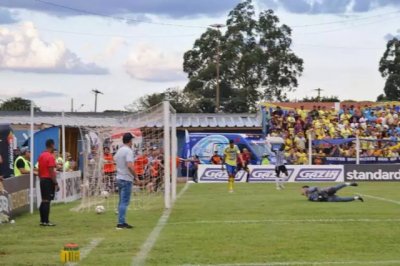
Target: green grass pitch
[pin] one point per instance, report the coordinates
(255, 225)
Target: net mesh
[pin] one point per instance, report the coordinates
(99, 143)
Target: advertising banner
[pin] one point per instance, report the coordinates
(208, 173)
(376, 172)
(7, 145)
(70, 188)
(266, 173)
(298, 173)
(14, 196)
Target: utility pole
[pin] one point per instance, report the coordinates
(319, 94)
(96, 92)
(72, 105)
(217, 101)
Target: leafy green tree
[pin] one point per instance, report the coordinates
(257, 62)
(389, 66)
(181, 102)
(17, 104)
(381, 98)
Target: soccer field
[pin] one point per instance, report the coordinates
(256, 225)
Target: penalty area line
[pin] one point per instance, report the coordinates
(147, 246)
(289, 263)
(356, 220)
(87, 249)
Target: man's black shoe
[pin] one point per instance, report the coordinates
(47, 224)
(124, 226)
(360, 199)
(353, 184)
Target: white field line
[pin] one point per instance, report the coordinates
(356, 220)
(87, 249)
(381, 199)
(309, 263)
(145, 249)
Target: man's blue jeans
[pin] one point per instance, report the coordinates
(125, 190)
(333, 198)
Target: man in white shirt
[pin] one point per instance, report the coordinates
(125, 176)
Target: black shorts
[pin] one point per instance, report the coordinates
(242, 167)
(47, 189)
(281, 169)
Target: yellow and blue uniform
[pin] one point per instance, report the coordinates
(231, 156)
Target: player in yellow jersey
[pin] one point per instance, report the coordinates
(231, 154)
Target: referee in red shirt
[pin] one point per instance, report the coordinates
(48, 181)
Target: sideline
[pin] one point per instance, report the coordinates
(289, 263)
(145, 249)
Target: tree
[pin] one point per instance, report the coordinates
(181, 102)
(257, 62)
(389, 66)
(17, 104)
(381, 98)
(326, 99)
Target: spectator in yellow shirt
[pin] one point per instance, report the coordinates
(346, 131)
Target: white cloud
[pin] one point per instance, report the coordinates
(23, 50)
(150, 64)
(31, 94)
(112, 48)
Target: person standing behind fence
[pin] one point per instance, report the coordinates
(22, 165)
(125, 177)
(109, 169)
(48, 182)
(216, 158)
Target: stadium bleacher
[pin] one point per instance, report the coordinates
(335, 131)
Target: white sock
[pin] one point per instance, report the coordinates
(347, 183)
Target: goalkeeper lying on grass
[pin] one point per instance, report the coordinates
(328, 194)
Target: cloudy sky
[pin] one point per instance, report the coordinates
(55, 50)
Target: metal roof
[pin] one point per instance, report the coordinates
(218, 120)
(121, 119)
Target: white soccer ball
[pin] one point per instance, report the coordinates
(100, 209)
(105, 194)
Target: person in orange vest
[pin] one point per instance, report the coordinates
(109, 169)
(140, 166)
(155, 168)
(216, 158)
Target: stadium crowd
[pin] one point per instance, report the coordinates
(378, 128)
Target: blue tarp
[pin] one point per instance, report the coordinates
(333, 141)
(363, 160)
(40, 140)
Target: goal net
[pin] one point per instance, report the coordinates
(154, 147)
